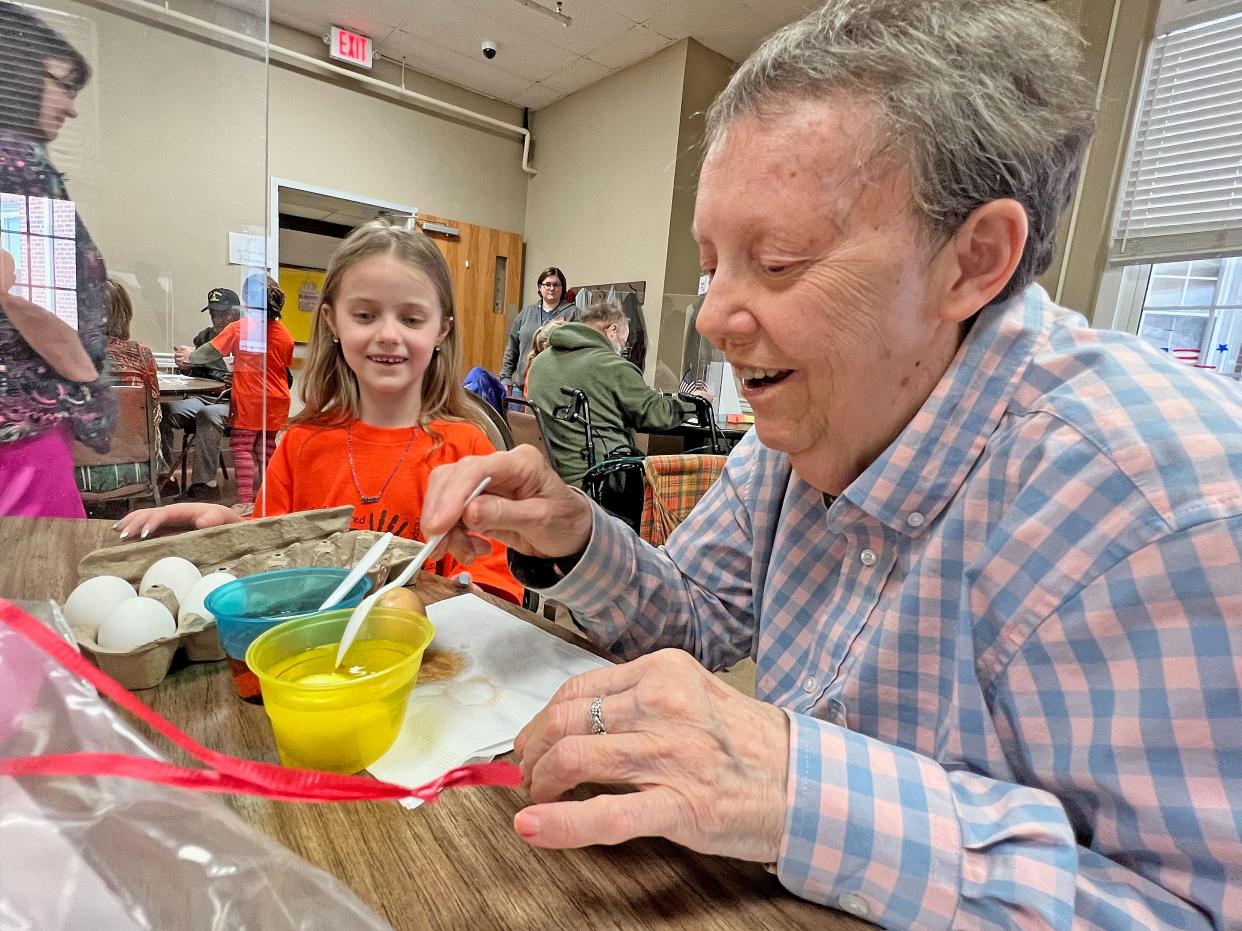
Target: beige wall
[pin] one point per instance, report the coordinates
(599, 207)
(171, 153)
(1076, 271)
(328, 135)
(176, 136)
(706, 75)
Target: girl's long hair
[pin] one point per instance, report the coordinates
(330, 387)
(539, 343)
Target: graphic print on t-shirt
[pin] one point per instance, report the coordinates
(383, 520)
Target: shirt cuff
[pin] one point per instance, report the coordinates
(870, 828)
(596, 578)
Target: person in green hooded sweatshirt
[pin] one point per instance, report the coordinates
(586, 355)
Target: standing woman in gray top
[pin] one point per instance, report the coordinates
(550, 306)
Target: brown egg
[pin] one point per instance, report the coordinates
(403, 599)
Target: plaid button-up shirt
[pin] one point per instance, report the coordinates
(1010, 651)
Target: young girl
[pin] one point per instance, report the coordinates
(538, 345)
(261, 354)
(384, 404)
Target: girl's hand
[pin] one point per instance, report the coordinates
(174, 517)
(526, 507)
(8, 272)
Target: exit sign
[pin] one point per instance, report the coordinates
(356, 49)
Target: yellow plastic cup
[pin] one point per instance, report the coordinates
(338, 722)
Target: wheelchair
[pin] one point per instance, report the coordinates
(616, 481)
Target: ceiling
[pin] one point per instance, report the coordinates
(539, 60)
(348, 213)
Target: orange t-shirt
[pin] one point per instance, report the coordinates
(310, 470)
(251, 380)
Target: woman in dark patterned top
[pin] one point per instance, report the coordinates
(51, 389)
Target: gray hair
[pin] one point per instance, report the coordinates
(984, 98)
(603, 313)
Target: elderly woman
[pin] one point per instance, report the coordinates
(130, 363)
(986, 558)
(50, 386)
(551, 305)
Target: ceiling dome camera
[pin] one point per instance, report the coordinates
(489, 49)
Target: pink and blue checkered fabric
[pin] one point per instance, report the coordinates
(1010, 651)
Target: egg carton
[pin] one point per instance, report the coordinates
(147, 666)
(313, 538)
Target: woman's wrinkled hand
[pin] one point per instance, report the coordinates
(709, 763)
(526, 507)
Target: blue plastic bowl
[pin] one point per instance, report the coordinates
(247, 607)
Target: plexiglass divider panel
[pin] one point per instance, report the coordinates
(133, 175)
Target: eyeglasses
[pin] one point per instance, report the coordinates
(66, 84)
(550, 284)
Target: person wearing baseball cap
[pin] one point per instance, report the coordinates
(220, 299)
(206, 416)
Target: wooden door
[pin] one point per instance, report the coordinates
(483, 310)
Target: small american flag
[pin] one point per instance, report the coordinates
(1185, 355)
(692, 385)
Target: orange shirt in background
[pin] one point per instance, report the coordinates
(311, 470)
(252, 379)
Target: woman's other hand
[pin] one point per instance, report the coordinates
(709, 764)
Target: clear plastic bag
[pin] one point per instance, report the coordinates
(110, 853)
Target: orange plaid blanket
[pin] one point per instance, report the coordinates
(673, 486)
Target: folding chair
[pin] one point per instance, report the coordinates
(136, 440)
(525, 426)
(189, 438)
(493, 424)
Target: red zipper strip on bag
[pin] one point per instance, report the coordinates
(227, 773)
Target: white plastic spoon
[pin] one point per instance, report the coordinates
(361, 612)
(369, 559)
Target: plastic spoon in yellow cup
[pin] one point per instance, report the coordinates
(361, 612)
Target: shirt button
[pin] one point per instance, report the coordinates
(868, 557)
(854, 904)
(915, 519)
(808, 684)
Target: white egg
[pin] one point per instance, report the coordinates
(94, 600)
(135, 623)
(171, 571)
(193, 606)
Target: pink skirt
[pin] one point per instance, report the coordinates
(36, 476)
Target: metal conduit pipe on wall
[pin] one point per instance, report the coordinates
(288, 56)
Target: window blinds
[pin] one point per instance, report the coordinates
(1182, 190)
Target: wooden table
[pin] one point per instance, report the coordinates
(172, 386)
(454, 864)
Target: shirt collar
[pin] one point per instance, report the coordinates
(920, 471)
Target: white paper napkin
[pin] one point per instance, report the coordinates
(510, 670)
